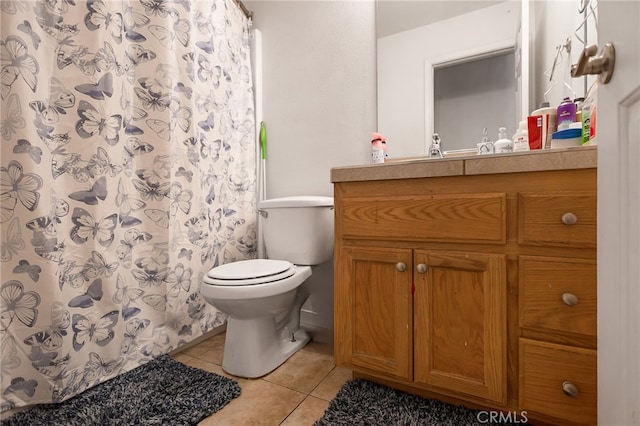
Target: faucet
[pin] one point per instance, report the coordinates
(434, 148)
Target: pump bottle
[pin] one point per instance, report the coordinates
(503, 144)
(521, 137)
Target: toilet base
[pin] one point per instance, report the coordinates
(256, 347)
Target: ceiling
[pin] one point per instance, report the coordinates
(394, 16)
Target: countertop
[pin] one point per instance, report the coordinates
(530, 161)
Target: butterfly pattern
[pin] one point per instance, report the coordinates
(19, 186)
(52, 338)
(93, 122)
(15, 303)
(12, 118)
(59, 100)
(87, 227)
(127, 133)
(16, 62)
(91, 329)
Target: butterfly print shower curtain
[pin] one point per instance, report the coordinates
(127, 172)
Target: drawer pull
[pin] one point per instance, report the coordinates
(570, 389)
(401, 266)
(422, 268)
(569, 219)
(569, 299)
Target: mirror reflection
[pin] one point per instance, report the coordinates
(497, 61)
(472, 96)
(448, 68)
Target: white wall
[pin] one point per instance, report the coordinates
(319, 71)
(319, 76)
(319, 90)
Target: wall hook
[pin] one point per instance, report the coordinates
(566, 46)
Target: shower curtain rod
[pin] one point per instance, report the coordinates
(244, 9)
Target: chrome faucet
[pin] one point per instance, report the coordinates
(434, 148)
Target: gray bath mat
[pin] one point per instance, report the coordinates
(361, 402)
(161, 392)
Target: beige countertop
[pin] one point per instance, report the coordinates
(530, 161)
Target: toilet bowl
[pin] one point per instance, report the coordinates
(263, 297)
(258, 296)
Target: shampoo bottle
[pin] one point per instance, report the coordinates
(503, 144)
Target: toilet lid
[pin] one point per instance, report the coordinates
(254, 271)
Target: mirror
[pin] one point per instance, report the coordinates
(468, 97)
(418, 40)
(448, 67)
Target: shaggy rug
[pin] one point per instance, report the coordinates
(361, 402)
(160, 392)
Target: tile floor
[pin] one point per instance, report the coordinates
(295, 394)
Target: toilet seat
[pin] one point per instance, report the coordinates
(221, 290)
(250, 272)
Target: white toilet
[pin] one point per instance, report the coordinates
(263, 297)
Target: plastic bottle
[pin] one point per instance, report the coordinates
(589, 109)
(485, 146)
(377, 154)
(545, 108)
(377, 147)
(503, 144)
(578, 101)
(566, 113)
(521, 137)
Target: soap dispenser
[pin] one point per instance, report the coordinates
(434, 148)
(503, 144)
(485, 146)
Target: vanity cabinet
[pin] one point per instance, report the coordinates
(406, 302)
(473, 289)
(558, 307)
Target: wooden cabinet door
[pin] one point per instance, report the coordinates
(374, 310)
(460, 333)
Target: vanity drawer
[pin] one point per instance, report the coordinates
(563, 220)
(559, 381)
(558, 294)
(444, 217)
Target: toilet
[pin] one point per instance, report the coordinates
(263, 297)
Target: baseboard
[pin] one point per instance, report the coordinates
(217, 330)
(321, 335)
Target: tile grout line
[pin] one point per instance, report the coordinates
(307, 395)
(294, 409)
(202, 354)
(321, 380)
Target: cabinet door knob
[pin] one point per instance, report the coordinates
(569, 299)
(569, 219)
(401, 266)
(570, 389)
(422, 268)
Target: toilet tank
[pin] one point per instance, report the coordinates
(298, 228)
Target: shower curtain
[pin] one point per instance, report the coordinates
(127, 172)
